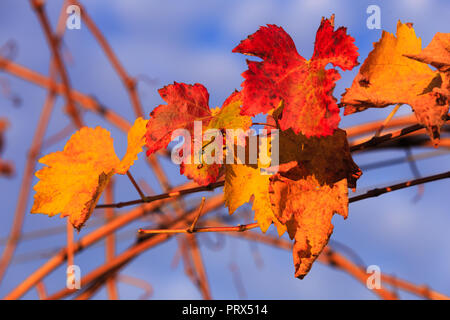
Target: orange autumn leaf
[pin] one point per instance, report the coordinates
(389, 76)
(437, 53)
(309, 188)
(74, 179)
(307, 207)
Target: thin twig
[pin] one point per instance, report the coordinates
(199, 266)
(375, 141)
(399, 160)
(138, 283)
(379, 191)
(386, 121)
(136, 186)
(129, 82)
(263, 124)
(369, 127)
(110, 242)
(41, 291)
(140, 247)
(371, 193)
(166, 195)
(70, 250)
(84, 243)
(333, 258)
(238, 228)
(24, 192)
(53, 43)
(85, 101)
(199, 213)
(57, 137)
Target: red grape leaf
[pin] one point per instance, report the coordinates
(226, 117)
(304, 86)
(186, 104)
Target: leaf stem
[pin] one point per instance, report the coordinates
(386, 121)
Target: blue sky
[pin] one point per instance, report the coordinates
(191, 41)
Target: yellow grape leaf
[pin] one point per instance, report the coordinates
(136, 140)
(229, 116)
(74, 179)
(389, 77)
(244, 182)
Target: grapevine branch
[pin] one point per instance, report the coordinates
(379, 191)
(86, 101)
(432, 178)
(369, 194)
(334, 259)
(212, 186)
(83, 243)
(33, 154)
(108, 272)
(376, 140)
(110, 242)
(129, 82)
(130, 85)
(86, 242)
(329, 257)
(239, 228)
(53, 43)
(141, 246)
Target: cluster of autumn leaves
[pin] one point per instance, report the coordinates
(315, 165)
